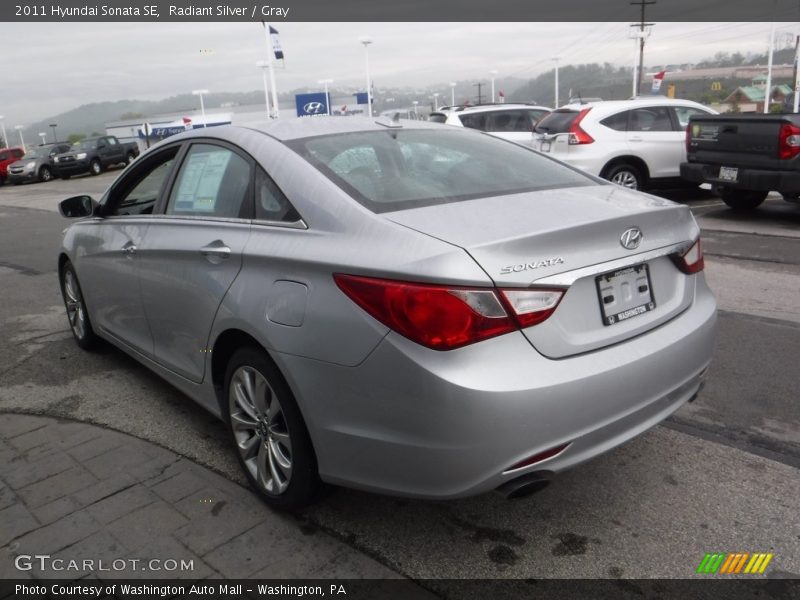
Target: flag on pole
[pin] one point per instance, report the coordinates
(502, 96)
(276, 43)
(657, 79)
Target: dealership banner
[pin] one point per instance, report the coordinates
(403, 10)
(312, 105)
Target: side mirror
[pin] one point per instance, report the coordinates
(77, 206)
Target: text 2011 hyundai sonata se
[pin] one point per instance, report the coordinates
(398, 307)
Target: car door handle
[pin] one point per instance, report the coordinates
(216, 250)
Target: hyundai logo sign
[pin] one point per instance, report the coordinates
(311, 105)
(314, 108)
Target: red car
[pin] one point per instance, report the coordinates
(8, 156)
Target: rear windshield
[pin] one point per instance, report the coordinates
(401, 169)
(437, 118)
(558, 121)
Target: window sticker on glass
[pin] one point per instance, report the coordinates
(201, 178)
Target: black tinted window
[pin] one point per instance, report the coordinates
(617, 122)
(396, 170)
(558, 121)
(474, 121)
(271, 203)
(212, 182)
(508, 120)
(437, 118)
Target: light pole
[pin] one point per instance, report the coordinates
(367, 41)
(202, 106)
(556, 59)
(55, 137)
(21, 139)
(416, 102)
(44, 138)
(325, 82)
(435, 100)
(264, 65)
(493, 72)
(452, 93)
(3, 128)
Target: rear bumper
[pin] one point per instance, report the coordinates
(412, 421)
(747, 179)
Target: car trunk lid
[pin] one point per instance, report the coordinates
(523, 239)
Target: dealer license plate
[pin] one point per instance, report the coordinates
(728, 173)
(625, 294)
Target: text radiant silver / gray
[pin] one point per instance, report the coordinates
(339, 291)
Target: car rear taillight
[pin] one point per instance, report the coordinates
(690, 261)
(788, 141)
(576, 134)
(445, 317)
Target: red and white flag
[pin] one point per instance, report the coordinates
(657, 79)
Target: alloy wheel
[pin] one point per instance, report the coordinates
(74, 302)
(626, 179)
(260, 430)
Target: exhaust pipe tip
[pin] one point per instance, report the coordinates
(525, 485)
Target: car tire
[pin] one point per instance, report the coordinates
(130, 158)
(268, 433)
(95, 168)
(742, 199)
(77, 315)
(625, 175)
(45, 174)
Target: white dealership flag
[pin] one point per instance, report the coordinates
(657, 79)
(276, 43)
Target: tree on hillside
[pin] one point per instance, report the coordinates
(75, 137)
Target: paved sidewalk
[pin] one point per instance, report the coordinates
(77, 491)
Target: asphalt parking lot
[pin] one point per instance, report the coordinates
(720, 475)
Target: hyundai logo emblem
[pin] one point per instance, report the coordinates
(631, 238)
(313, 108)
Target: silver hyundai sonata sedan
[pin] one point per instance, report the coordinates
(393, 306)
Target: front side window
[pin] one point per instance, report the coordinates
(138, 192)
(410, 168)
(213, 182)
(683, 113)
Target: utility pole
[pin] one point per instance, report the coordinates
(641, 35)
(479, 86)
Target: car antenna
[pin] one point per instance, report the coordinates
(394, 122)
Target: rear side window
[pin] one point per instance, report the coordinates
(474, 121)
(651, 118)
(558, 121)
(617, 122)
(409, 168)
(271, 203)
(508, 120)
(212, 182)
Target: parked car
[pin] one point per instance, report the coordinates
(513, 122)
(94, 155)
(8, 156)
(408, 308)
(638, 143)
(744, 157)
(37, 165)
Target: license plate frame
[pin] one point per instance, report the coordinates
(729, 174)
(621, 295)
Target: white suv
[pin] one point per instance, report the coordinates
(636, 143)
(513, 122)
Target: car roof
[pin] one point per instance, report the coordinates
(302, 127)
(630, 103)
(496, 106)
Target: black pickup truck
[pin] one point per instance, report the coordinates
(744, 157)
(93, 155)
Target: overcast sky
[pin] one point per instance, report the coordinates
(49, 68)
